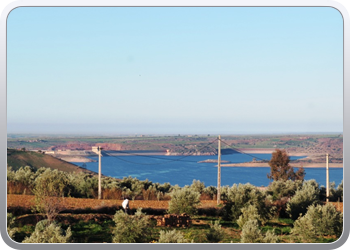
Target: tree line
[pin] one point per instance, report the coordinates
(287, 196)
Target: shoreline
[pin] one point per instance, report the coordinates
(299, 164)
(85, 158)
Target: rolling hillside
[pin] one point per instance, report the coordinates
(18, 158)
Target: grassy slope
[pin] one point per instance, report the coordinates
(17, 159)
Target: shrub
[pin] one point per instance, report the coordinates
(211, 191)
(48, 232)
(150, 193)
(252, 234)
(21, 181)
(132, 186)
(270, 237)
(339, 192)
(197, 186)
(216, 233)
(280, 189)
(245, 195)
(248, 213)
(335, 194)
(131, 229)
(171, 237)
(83, 185)
(11, 230)
(318, 221)
(307, 195)
(49, 189)
(184, 200)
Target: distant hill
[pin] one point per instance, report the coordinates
(36, 160)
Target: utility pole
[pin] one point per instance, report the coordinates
(99, 172)
(219, 171)
(327, 179)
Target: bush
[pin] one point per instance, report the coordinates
(248, 213)
(339, 192)
(270, 237)
(216, 233)
(171, 237)
(335, 194)
(280, 189)
(131, 229)
(49, 189)
(318, 221)
(21, 181)
(131, 187)
(211, 191)
(242, 196)
(307, 195)
(184, 200)
(252, 234)
(48, 232)
(83, 185)
(197, 186)
(11, 230)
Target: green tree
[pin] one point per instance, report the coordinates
(184, 200)
(252, 234)
(49, 190)
(281, 169)
(307, 195)
(216, 233)
(131, 229)
(49, 232)
(243, 195)
(248, 213)
(171, 237)
(197, 186)
(320, 220)
(11, 229)
(281, 188)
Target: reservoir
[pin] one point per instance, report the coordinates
(182, 170)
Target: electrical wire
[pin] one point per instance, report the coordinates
(154, 157)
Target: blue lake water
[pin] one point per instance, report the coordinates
(182, 170)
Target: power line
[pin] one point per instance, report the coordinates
(154, 157)
(238, 150)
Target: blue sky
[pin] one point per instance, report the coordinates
(172, 70)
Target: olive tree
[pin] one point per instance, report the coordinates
(252, 234)
(184, 200)
(243, 195)
(173, 236)
(49, 232)
(49, 190)
(305, 196)
(320, 220)
(216, 233)
(11, 229)
(131, 229)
